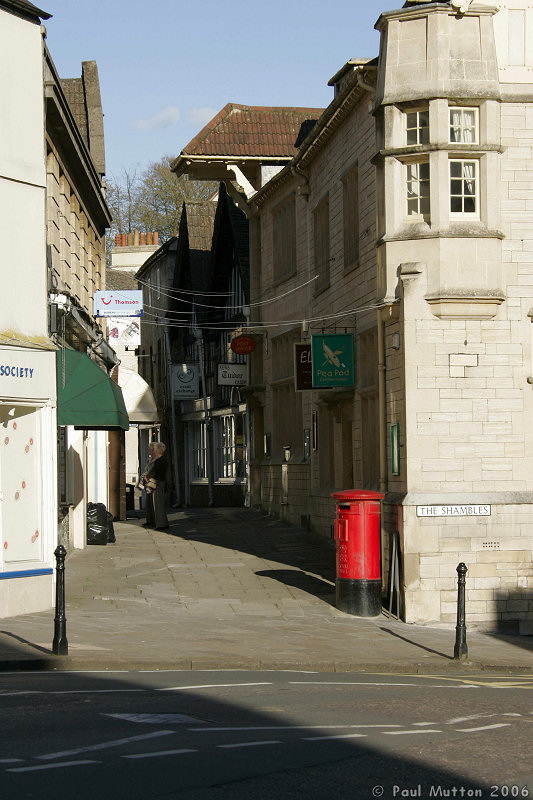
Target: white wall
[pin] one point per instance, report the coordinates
(22, 178)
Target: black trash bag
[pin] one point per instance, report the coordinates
(97, 524)
(111, 529)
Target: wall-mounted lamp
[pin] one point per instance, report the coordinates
(286, 452)
(395, 341)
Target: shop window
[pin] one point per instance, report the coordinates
(198, 462)
(230, 447)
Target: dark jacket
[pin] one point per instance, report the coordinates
(157, 468)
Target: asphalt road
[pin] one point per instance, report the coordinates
(275, 735)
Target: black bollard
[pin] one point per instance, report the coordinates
(60, 643)
(460, 651)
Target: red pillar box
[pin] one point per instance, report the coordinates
(357, 533)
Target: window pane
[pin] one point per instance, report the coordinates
(456, 169)
(456, 205)
(470, 205)
(424, 205)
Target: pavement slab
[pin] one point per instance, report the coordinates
(230, 589)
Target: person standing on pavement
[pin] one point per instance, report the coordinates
(153, 480)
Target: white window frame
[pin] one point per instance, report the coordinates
(464, 178)
(419, 129)
(227, 449)
(461, 126)
(413, 184)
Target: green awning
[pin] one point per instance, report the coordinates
(86, 396)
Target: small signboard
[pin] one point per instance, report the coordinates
(333, 360)
(117, 303)
(467, 510)
(185, 381)
(233, 374)
(242, 345)
(303, 367)
(124, 332)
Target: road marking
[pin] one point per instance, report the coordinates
(290, 728)
(421, 724)
(480, 716)
(161, 753)
(154, 719)
(405, 733)
(340, 736)
(380, 683)
(485, 727)
(11, 760)
(52, 766)
(247, 744)
(105, 745)
(211, 686)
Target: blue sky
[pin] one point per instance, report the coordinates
(167, 66)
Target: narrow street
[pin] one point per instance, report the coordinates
(239, 734)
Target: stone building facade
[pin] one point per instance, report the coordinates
(405, 219)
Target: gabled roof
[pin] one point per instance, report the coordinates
(24, 9)
(230, 245)
(191, 272)
(252, 131)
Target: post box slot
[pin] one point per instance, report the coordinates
(344, 506)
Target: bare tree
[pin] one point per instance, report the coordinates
(151, 201)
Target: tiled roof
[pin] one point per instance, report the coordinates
(200, 223)
(75, 94)
(248, 131)
(120, 280)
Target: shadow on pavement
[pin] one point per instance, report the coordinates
(301, 580)
(416, 644)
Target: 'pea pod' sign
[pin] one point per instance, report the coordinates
(333, 360)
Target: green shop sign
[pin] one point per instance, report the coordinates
(333, 360)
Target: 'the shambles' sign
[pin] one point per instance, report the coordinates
(453, 511)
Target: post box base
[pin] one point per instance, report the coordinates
(361, 597)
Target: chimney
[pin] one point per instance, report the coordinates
(130, 239)
(136, 238)
(123, 238)
(143, 239)
(156, 237)
(117, 239)
(149, 237)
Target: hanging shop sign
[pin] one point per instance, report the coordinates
(115, 303)
(185, 381)
(124, 332)
(333, 360)
(303, 367)
(233, 374)
(242, 345)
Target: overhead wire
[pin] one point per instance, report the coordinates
(173, 294)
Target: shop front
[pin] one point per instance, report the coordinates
(28, 480)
